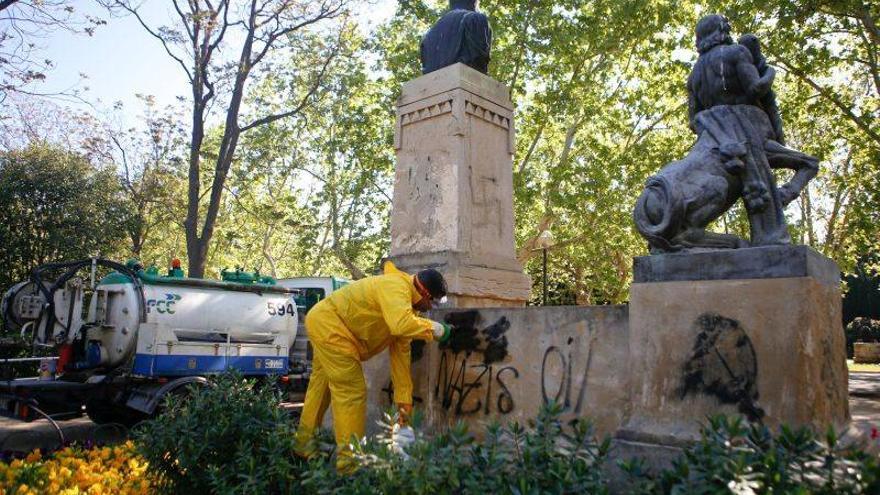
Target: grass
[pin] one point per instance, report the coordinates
(862, 368)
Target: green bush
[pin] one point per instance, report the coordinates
(232, 438)
(861, 330)
(228, 438)
(545, 457)
(735, 457)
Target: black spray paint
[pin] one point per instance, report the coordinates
(723, 364)
(496, 342)
(561, 363)
(465, 388)
(464, 336)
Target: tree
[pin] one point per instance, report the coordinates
(56, 205)
(828, 55)
(149, 161)
(23, 23)
(311, 193)
(201, 30)
(599, 92)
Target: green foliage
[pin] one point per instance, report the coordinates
(862, 296)
(861, 330)
(56, 205)
(311, 195)
(546, 456)
(227, 438)
(231, 437)
(599, 92)
(600, 105)
(733, 457)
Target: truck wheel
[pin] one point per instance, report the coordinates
(181, 393)
(103, 413)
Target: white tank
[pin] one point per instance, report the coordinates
(189, 312)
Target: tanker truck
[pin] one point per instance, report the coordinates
(115, 347)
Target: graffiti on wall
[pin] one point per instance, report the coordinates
(472, 377)
(563, 378)
(723, 364)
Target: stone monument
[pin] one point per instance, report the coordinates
(453, 188)
(718, 324)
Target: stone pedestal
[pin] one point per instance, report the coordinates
(453, 188)
(754, 331)
(866, 352)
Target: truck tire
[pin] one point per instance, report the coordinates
(103, 413)
(181, 393)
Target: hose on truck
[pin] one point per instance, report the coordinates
(72, 267)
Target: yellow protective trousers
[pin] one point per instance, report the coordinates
(337, 380)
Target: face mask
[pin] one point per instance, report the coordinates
(423, 305)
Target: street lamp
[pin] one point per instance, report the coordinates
(545, 241)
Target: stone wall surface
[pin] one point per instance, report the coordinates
(519, 359)
(649, 373)
(771, 349)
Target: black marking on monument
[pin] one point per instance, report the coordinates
(465, 387)
(496, 342)
(723, 364)
(464, 334)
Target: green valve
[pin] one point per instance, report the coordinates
(242, 277)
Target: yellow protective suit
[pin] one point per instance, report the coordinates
(352, 325)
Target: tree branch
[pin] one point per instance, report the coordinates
(828, 95)
(156, 35)
(4, 4)
(319, 78)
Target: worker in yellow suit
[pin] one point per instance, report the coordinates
(352, 325)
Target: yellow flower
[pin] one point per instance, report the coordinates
(33, 456)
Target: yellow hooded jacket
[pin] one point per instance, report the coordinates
(377, 313)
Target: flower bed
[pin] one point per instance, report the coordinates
(74, 470)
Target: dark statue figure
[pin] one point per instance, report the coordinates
(461, 35)
(733, 111)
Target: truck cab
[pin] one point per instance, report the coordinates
(310, 290)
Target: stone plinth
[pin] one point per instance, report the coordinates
(453, 189)
(866, 352)
(755, 332)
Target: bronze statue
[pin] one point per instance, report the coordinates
(735, 117)
(461, 35)
(768, 101)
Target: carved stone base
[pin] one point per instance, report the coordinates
(473, 282)
(768, 348)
